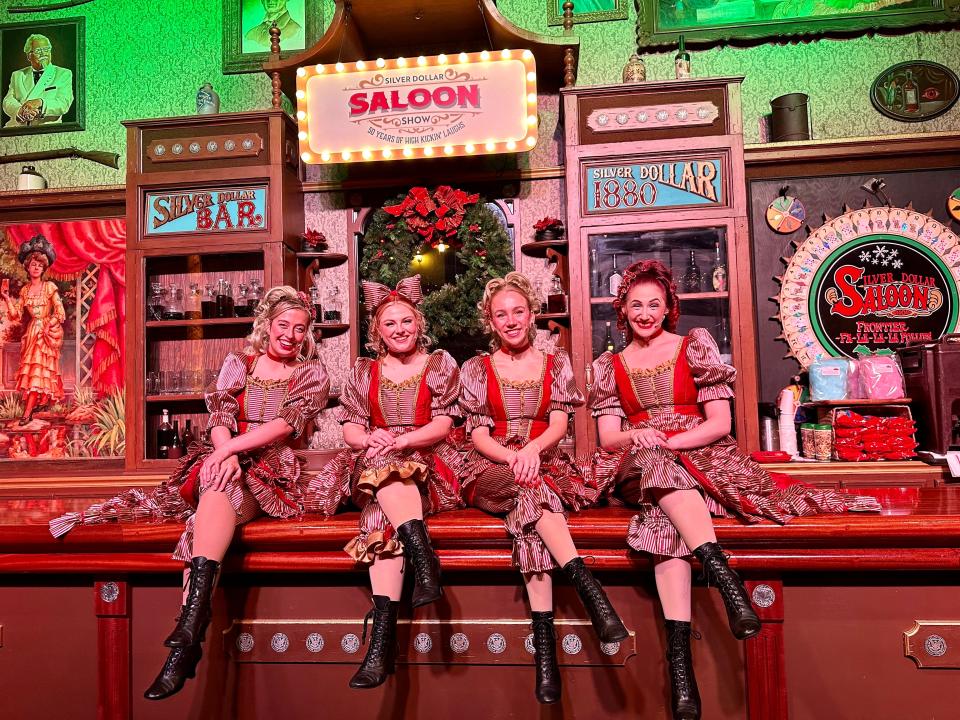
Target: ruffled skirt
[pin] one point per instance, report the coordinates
(731, 483)
(350, 476)
(492, 488)
(272, 483)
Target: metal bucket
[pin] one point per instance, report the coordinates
(790, 119)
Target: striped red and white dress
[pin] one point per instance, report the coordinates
(372, 400)
(669, 398)
(273, 481)
(516, 413)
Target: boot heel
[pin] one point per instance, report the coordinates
(606, 622)
(380, 660)
(743, 620)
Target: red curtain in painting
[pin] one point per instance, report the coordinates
(78, 244)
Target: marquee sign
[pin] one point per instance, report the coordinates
(471, 103)
(653, 185)
(207, 211)
(879, 277)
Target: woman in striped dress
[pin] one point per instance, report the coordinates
(263, 400)
(663, 415)
(517, 401)
(396, 413)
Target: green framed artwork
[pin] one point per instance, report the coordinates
(585, 11)
(704, 22)
(246, 30)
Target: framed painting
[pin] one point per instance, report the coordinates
(246, 30)
(705, 22)
(915, 91)
(62, 340)
(42, 75)
(585, 11)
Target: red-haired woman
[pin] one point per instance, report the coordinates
(663, 415)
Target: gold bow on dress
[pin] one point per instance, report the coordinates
(375, 294)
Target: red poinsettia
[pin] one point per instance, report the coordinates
(314, 239)
(548, 223)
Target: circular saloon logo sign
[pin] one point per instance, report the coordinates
(878, 277)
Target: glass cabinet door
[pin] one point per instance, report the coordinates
(697, 257)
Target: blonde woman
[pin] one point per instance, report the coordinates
(262, 401)
(517, 401)
(396, 412)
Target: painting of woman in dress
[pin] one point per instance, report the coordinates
(39, 378)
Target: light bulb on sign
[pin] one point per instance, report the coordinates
(469, 147)
(485, 56)
(345, 154)
(531, 120)
(490, 146)
(381, 62)
(319, 68)
(442, 59)
(531, 141)
(301, 115)
(462, 57)
(366, 154)
(428, 151)
(387, 153)
(339, 66)
(448, 149)
(421, 61)
(302, 135)
(325, 156)
(511, 145)
(532, 98)
(301, 94)
(527, 54)
(361, 65)
(301, 72)
(505, 54)
(531, 76)
(401, 62)
(305, 156)
(407, 152)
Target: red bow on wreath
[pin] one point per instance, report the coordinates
(440, 213)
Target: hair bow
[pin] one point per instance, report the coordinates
(376, 294)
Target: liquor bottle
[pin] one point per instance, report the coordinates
(173, 310)
(241, 307)
(316, 302)
(208, 302)
(723, 340)
(224, 299)
(911, 98)
(718, 277)
(188, 437)
(608, 338)
(556, 300)
(692, 279)
(615, 278)
(333, 307)
(192, 309)
(595, 285)
(176, 444)
(681, 61)
(164, 436)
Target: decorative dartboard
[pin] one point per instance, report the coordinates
(880, 277)
(786, 214)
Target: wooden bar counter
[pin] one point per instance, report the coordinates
(843, 600)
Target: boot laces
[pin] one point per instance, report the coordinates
(680, 662)
(544, 641)
(378, 636)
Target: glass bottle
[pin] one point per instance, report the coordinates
(718, 276)
(723, 340)
(594, 273)
(173, 310)
(692, 279)
(208, 302)
(254, 295)
(188, 436)
(616, 279)
(224, 299)
(608, 338)
(240, 306)
(164, 435)
(156, 302)
(681, 61)
(192, 309)
(176, 444)
(557, 299)
(316, 302)
(333, 308)
(911, 97)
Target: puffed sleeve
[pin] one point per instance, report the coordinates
(355, 398)
(604, 398)
(307, 395)
(473, 394)
(57, 302)
(564, 393)
(221, 398)
(712, 377)
(443, 379)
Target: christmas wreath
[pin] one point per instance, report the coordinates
(406, 226)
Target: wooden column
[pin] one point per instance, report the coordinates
(766, 664)
(112, 606)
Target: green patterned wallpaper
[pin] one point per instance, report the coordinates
(148, 61)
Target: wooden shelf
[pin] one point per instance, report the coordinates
(538, 248)
(322, 259)
(544, 318)
(713, 295)
(174, 397)
(199, 323)
(861, 402)
(325, 330)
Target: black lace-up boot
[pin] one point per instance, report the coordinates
(545, 658)
(744, 622)
(605, 620)
(684, 695)
(426, 567)
(195, 613)
(380, 658)
(180, 665)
